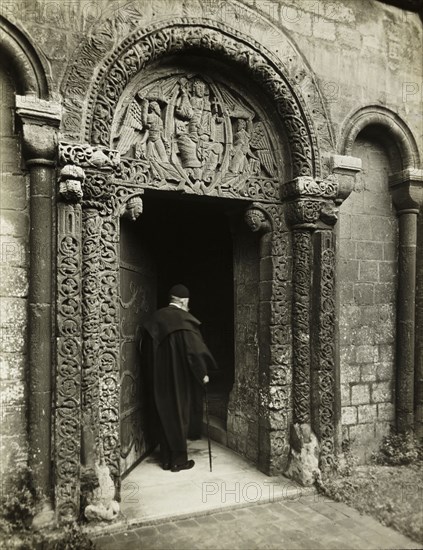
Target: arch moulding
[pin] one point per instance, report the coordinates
(396, 128)
(31, 75)
(89, 116)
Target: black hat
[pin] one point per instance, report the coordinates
(179, 291)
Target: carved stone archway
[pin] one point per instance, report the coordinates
(296, 382)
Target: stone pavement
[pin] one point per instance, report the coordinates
(308, 522)
(234, 506)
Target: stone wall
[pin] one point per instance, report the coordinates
(360, 53)
(367, 265)
(14, 226)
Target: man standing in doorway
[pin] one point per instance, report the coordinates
(179, 361)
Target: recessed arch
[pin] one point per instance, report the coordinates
(28, 68)
(398, 137)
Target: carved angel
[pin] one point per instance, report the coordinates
(129, 132)
(260, 143)
(251, 149)
(143, 129)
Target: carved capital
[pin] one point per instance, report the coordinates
(87, 156)
(304, 213)
(71, 182)
(40, 121)
(257, 219)
(407, 190)
(345, 168)
(307, 186)
(311, 200)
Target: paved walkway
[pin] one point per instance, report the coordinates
(234, 506)
(308, 523)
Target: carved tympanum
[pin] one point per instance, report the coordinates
(196, 132)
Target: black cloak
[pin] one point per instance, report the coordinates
(179, 360)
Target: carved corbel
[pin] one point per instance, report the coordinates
(133, 208)
(71, 182)
(257, 219)
(345, 168)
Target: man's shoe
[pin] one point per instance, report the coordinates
(186, 466)
(166, 466)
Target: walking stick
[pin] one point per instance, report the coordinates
(208, 425)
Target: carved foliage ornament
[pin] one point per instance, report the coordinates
(143, 47)
(68, 377)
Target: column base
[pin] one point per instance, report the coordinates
(303, 461)
(44, 518)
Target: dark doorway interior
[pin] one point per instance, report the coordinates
(190, 242)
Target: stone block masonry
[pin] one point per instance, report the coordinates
(367, 271)
(14, 228)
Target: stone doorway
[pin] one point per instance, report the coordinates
(190, 240)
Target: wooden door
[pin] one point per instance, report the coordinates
(137, 302)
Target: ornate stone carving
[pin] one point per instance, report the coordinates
(91, 232)
(87, 156)
(133, 208)
(147, 45)
(109, 342)
(323, 373)
(304, 213)
(68, 375)
(257, 219)
(311, 187)
(71, 182)
(197, 135)
(301, 325)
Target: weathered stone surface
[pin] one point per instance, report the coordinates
(367, 413)
(325, 36)
(360, 393)
(381, 391)
(349, 415)
(13, 282)
(303, 465)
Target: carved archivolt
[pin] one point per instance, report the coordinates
(144, 46)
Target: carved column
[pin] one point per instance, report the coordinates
(90, 395)
(40, 120)
(69, 345)
(100, 313)
(274, 335)
(312, 214)
(407, 195)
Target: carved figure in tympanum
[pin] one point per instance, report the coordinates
(196, 132)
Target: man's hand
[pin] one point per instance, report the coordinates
(205, 379)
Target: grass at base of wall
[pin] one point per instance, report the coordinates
(390, 489)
